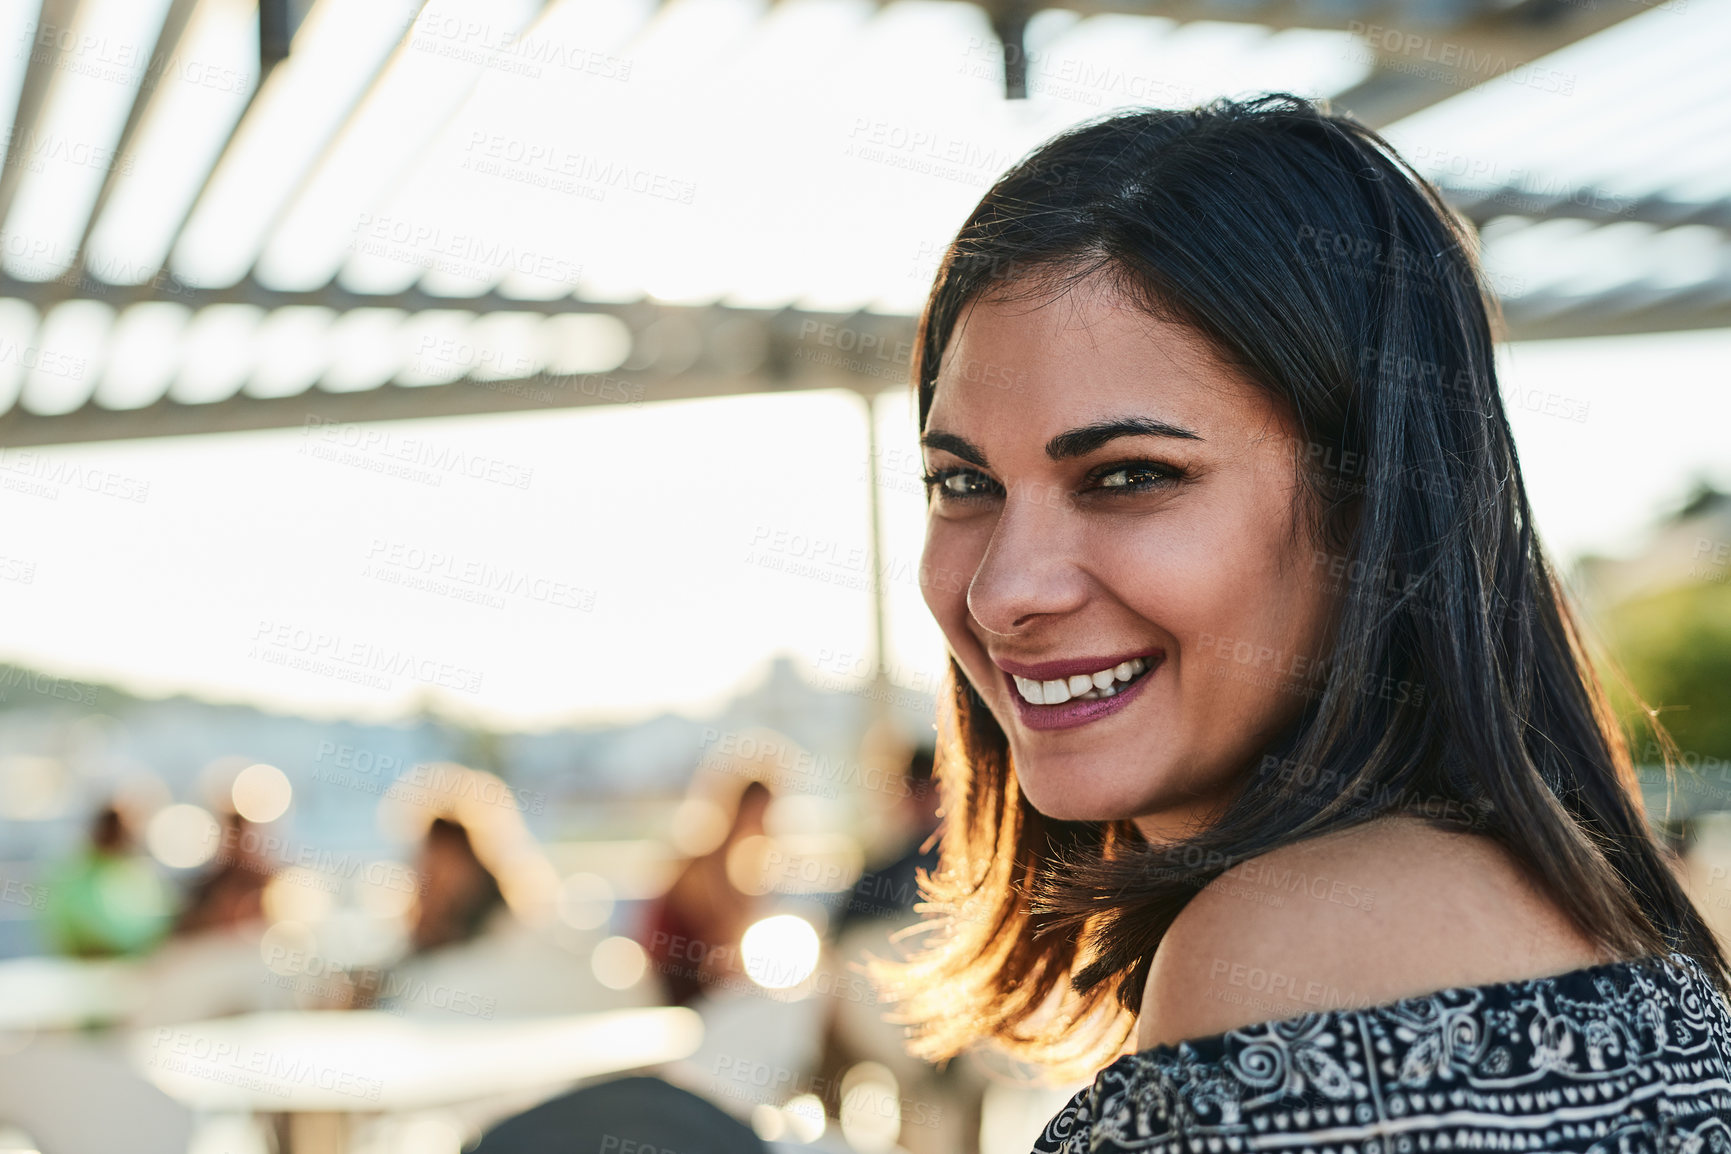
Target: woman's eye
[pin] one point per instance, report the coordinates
(959, 483)
(1133, 475)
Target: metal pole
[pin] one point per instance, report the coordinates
(880, 689)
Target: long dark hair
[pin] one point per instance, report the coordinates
(1320, 263)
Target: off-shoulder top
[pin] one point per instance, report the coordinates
(1626, 1057)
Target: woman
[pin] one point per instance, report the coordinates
(1274, 771)
(693, 929)
(459, 895)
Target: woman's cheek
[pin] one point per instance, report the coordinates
(930, 562)
(947, 565)
(1173, 588)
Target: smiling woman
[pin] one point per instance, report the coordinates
(1173, 522)
(1271, 741)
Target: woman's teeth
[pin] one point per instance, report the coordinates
(1083, 686)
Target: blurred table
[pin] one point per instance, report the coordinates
(323, 1067)
(64, 993)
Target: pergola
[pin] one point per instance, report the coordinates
(203, 200)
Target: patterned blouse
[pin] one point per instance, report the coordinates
(1623, 1058)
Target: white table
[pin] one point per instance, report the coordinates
(323, 1067)
(65, 993)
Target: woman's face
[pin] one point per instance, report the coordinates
(1110, 501)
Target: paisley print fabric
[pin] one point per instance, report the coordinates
(1623, 1058)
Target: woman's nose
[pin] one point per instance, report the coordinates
(1030, 569)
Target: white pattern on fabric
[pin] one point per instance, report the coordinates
(1622, 1058)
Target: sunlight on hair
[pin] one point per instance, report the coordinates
(748, 864)
(698, 826)
(490, 812)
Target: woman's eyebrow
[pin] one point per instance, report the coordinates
(950, 443)
(1080, 442)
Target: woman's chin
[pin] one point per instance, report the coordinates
(1062, 801)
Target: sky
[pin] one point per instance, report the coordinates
(609, 563)
(604, 564)
(601, 564)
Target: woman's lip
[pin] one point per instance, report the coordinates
(1058, 670)
(1074, 712)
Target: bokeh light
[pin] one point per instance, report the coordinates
(32, 788)
(433, 1132)
(182, 836)
(618, 963)
(289, 948)
(298, 895)
(871, 1109)
(780, 952)
(585, 901)
(805, 1117)
(261, 793)
(769, 1122)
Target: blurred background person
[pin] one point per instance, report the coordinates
(890, 889)
(693, 930)
(728, 939)
(211, 964)
(483, 938)
(459, 896)
(939, 1108)
(107, 900)
(230, 893)
(165, 313)
(458, 903)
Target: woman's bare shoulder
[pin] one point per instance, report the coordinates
(1360, 917)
